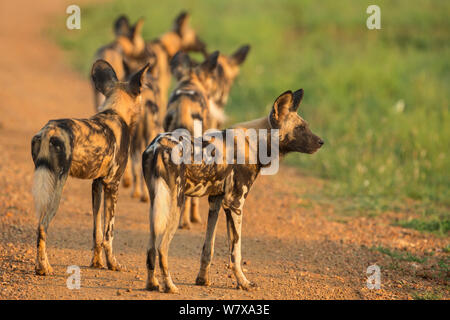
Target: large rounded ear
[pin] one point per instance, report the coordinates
(180, 65)
(181, 23)
(103, 76)
(136, 29)
(136, 81)
(282, 106)
(210, 62)
(239, 56)
(122, 26)
(298, 96)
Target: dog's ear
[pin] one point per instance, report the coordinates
(136, 81)
(103, 76)
(240, 55)
(122, 26)
(298, 96)
(282, 106)
(136, 29)
(181, 23)
(180, 65)
(210, 62)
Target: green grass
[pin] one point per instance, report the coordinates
(401, 256)
(376, 152)
(427, 296)
(441, 227)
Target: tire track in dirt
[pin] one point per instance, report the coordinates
(292, 248)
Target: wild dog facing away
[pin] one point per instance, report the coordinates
(128, 43)
(220, 82)
(95, 148)
(146, 127)
(226, 185)
(146, 124)
(189, 102)
(181, 37)
(161, 50)
(227, 70)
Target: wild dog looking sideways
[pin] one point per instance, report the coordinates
(95, 148)
(128, 42)
(226, 184)
(181, 37)
(189, 102)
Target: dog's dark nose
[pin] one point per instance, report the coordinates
(321, 142)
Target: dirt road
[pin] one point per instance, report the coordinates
(293, 248)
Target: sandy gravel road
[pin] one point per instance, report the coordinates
(293, 248)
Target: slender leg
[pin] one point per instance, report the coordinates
(185, 222)
(234, 226)
(97, 259)
(195, 214)
(126, 178)
(110, 200)
(136, 175)
(163, 248)
(152, 281)
(163, 251)
(164, 218)
(208, 248)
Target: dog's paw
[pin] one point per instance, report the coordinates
(144, 197)
(171, 289)
(248, 286)
(116, 267)
(43, 269)
(200, 281)
(126, 182)
(152, 287)
(97, 263)
(185, 226)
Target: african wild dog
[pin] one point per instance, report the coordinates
(128, 42)
(226, 184)
(190, 101)
(181, 37)
(95, 148)
(147, 126)
(218, 85)
(227, 70)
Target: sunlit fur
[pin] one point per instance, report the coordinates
(96, 148)
(226, 184)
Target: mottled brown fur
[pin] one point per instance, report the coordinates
(181, 37)
(226, 185)
(189, 102)
(128, 43)
(96, 148)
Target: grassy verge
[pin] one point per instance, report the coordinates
(400, 256)
(380, 99)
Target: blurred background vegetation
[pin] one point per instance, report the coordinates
(379, 98)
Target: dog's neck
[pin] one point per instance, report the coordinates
(261, 123)
(122, 104)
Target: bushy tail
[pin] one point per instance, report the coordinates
(49, 156)
(43, 189)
